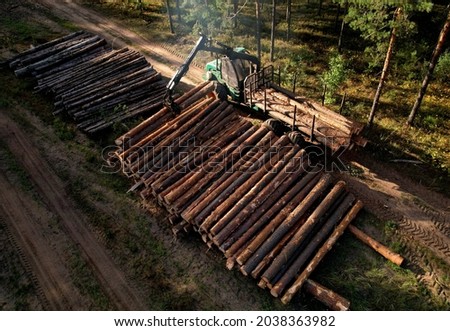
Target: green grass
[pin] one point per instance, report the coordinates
(84, 278)
(372, 283)
(11, 165)
(23, 30)
(125, 230)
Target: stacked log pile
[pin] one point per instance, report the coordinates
(255, 196)
(317, 121)
(95, 85)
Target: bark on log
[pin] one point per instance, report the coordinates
(231, 185)
(229, 135)
(179, 163)
(268, 238)
(261, 138)
(283, 179)
(180, 136)
(287, 297)
(380, 248)
(63, 56)
(200, 208)
(313, 244)
(303, 232)
(179, 125)
(329, 298)
(281, 209)
(273, 253)
(255, 184)
(41, 47)
(211, 169)
(296, 215)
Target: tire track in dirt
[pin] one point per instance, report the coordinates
(48, 273)
(52, 191)
(439, 219)
(418, 223)
(11, 239)
(391, 202)
(430, 238)
(426, 270)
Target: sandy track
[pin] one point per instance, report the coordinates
(53, 281)
(120, 36)
(421, 216)
(52, 191)
(418, 212)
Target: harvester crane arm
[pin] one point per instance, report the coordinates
(203, 44)
(182, 70)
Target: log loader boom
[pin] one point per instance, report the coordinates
(229, 71)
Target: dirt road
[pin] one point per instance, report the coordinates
(121, 36)
(25, 220)
(52, 191)
(422, 216)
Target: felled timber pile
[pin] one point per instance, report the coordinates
(311, 118)
(256, 196)
(95, 85)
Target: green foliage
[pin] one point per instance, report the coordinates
(333, 78)
(407, 63)
(442, 70)
(63, 130)
(207, 17)
(374, 22)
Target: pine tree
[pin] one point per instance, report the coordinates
(373, 20)
(434, 59)
(385, 71)
(258, 27)
(272, 33)
(288, 19)
(169, 15)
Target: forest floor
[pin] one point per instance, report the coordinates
(73, 231)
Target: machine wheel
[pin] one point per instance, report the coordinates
(220, 91)
(274, 125)
(297, 138)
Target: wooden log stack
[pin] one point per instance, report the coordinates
(311, 118)
(250, 193)
(92, 83)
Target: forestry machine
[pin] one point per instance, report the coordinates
(238, 76)
(230, 70)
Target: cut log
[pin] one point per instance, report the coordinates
(380, 248)
(277, 233)
(255, 184)
(244, 153)
(329, 298)
(267, 211)
(250, 203)
(303, 232)
(287, 297)
(213, 168)
(308, 251)
(256, 170)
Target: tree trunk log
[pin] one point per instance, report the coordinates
(380, 248)
(287, 297)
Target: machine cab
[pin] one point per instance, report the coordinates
(231, 73)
